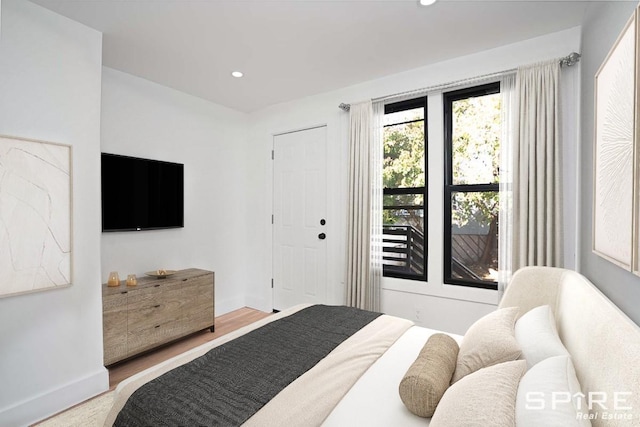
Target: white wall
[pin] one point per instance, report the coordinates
(51, 342)
(418, 301)
(144, 119)
(602, 26)
(50, 89)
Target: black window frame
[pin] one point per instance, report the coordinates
(449, 188)
(409, 104)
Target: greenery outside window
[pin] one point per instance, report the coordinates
(404, 197)
(471, 194)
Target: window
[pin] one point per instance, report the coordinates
(471, 194)
(404, 179)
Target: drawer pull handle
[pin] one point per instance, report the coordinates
(156, 286)
(156, 306)
(123, 292)
(157, 326)
(184, 280)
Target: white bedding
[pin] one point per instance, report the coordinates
(374, 399)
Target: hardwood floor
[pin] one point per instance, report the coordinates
(224, 324)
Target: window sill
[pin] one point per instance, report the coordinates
(441, 290)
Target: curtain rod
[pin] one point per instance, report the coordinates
(569, 60)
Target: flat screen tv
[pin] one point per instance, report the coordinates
(141, 194)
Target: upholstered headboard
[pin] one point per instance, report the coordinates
(604, 343)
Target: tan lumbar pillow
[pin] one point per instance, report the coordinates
(429, 376)
(489, 341)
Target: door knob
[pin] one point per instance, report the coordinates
(322, 236)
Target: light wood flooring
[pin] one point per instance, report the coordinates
(224, 324)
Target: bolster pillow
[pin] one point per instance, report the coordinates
(429, 376)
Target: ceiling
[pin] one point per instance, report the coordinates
(289, 49)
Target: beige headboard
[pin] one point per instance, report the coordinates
(604, 343)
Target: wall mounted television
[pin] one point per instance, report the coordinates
(141, 194)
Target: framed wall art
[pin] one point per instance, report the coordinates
(35, 216)
(616, 131)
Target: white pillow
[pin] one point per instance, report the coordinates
(486, 397)
(538, 337)
(549, 395)
(489, 341)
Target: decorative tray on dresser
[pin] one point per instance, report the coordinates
(155, 311)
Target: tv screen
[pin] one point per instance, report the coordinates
(141, 194)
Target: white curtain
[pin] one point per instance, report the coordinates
(364, 223)
(377, 155)
(505, 216)
(537, 202)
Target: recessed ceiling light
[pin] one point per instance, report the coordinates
(237, 74)
(427, 2)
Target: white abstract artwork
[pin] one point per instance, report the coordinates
(35, 216)
(614, 152)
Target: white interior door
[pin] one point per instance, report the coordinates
(299, 218)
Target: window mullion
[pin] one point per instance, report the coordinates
(471, 188)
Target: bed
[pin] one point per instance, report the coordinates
(356, 383)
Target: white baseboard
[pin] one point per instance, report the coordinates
(228, 305)
(51, 402)
(259, 303)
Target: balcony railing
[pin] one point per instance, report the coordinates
(403, 251)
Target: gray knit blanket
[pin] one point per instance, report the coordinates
(230, 383)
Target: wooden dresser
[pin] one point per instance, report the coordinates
(155, 311)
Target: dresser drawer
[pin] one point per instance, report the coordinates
(114, 327)
(149, 296)
(170, 301)
(152, 335)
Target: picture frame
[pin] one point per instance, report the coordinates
(616, 128)
(35, 216)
